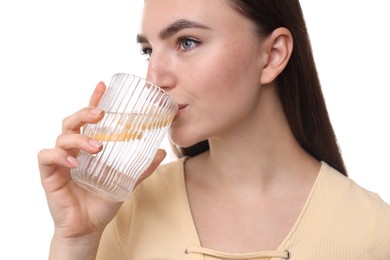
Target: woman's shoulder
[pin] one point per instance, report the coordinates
(348, 216)
(152, 202)
(354, 200)
(342, 188)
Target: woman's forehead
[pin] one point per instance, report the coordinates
(192, 9)
(162, 13)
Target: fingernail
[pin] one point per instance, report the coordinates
(73, 161)
(96, 111)
(94, 143)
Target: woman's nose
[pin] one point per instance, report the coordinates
(160, 70)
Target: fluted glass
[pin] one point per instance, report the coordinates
(137, 117)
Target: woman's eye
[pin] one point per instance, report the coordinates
(146, 52)
(187, 43)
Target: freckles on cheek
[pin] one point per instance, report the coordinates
(228, 77)
(224, 71)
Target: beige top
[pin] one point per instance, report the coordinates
(340, 221)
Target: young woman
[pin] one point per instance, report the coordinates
(259, 174)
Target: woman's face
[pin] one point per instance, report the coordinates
(209, 58)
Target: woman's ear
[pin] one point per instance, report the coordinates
(278, 48)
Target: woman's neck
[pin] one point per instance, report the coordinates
(259, 152)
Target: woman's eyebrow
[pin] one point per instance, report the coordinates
(174, 28)
(179, 25)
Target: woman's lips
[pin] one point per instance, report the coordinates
(181, 108)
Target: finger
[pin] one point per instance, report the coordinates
(71, 142)
(89, 115)
(158, 158)
(97, 94)
(54, 167)
(73, 123)
(50, 159)
(160, 155)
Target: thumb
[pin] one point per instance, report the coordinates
(158, 158)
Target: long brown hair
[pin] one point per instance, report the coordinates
(298, 85)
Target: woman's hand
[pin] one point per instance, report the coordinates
(79, 216)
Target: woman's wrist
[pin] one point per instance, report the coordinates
(84, 247)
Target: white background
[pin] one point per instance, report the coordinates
(52, 54)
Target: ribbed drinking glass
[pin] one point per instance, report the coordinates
(137, 117)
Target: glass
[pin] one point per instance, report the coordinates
(137, 117)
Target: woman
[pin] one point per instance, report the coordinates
(259, 176)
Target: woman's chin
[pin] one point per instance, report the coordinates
(181, 141)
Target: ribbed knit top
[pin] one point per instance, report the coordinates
(339, 221)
